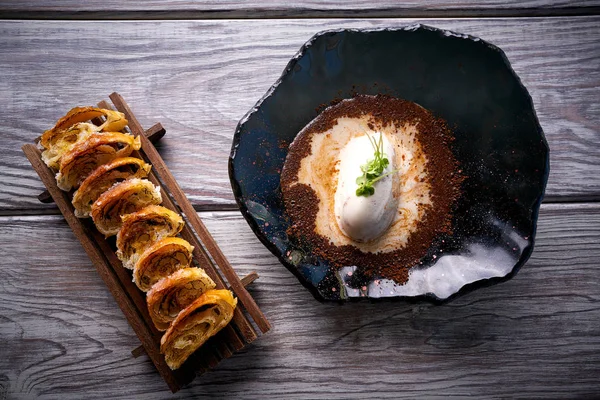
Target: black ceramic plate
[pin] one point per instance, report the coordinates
(460, 78)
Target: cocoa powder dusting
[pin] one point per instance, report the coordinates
(301, 201)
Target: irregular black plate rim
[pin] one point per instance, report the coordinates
(237, 191)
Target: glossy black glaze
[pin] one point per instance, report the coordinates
(499, 142)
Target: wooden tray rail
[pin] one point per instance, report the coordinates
(207, 255)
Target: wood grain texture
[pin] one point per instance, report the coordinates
(164, 9)
(198, 78)
(538, 335)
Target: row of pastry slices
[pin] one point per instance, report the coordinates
(111, 189)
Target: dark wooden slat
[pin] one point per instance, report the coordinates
(211, 246)
(155, 132)
(536, 336)
(138, 351)
(45, 197)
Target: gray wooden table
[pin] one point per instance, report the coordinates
(197, 67)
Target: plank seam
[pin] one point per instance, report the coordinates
(233, 207)
(301, 13)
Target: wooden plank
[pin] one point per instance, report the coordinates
(169, 9)
(537, 335)
(203, 76)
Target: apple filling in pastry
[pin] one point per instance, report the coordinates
(161, 260)
(95, 159)
(124, 198)
(174, 293)
(142, 229)
(64, 142)
(85, 156)
(105, 177)
(71, 129)
(199, 321)
(115, 121)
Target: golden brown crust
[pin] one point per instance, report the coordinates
(160, 260)
(206, 316)
(122, 199)
(175, 292)
(103, 178)
(69, 138)
(115, 121)
(142, 228)
(84, 157)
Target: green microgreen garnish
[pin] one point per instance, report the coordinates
(372, 171)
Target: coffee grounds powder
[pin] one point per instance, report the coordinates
(302, 203)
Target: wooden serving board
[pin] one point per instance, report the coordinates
(207, 255)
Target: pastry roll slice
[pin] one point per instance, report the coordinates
(115, 121)
(142, 228)
(63, 144)
(103, 178)
(174, 293)
(206, 316)
(86, 156)
(124, 198)
(161, 260)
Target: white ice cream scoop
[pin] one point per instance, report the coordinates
(364, 218)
